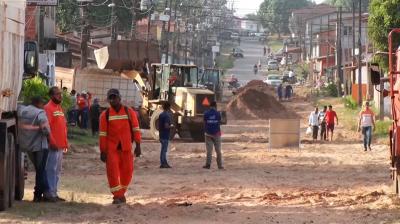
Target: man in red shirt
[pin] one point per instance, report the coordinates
(57, 139)
(119, 127)
(330, 117)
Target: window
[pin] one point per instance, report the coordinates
(347, 31)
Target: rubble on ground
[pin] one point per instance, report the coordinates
(256, 100)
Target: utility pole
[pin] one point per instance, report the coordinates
(359, 56)
(85, 36)
(41, 28)
(169, 30)
(133, 26)
(148, 28)
(113, 22)
(339, 53)
(164, 35)
(354, 41)
(175, 32)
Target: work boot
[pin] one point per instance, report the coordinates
(165, 166)
(221, 168)
(50, 199)
(37, 198)
(118, 201)
(60, 199)
(206, 167)
(369, 147)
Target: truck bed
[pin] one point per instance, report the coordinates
(98, 82)
(12, 26)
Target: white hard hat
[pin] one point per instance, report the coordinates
(84, 92)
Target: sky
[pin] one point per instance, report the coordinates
(244, 7)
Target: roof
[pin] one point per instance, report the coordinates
(315, 10)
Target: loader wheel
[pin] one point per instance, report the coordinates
(197, 136)
(154, 125)
(4, 177)
(11, 148)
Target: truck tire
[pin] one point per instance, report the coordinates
(154, 125)
(4, 177)
(20, 169)
(12, 168)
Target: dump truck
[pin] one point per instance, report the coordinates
(16, 57)
(394, 80)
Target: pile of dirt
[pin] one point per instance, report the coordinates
(256, 101)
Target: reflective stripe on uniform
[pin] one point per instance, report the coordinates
(118, 117)
(117, 188)
(135, 129)
(102, 133)
(124, 187)
(58, 113)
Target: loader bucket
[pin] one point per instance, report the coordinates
(126, 55)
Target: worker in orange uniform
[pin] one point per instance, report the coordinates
(57, 141)
(119, 127)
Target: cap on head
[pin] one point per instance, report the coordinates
(213, 104)
(113, 92)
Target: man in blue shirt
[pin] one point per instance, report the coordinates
(212, 121)
(164, 127)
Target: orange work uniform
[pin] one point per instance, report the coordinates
(58, 125)
(116, 142)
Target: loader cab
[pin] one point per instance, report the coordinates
(168, 77)
(211, 79)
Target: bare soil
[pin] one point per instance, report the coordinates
(324, 182)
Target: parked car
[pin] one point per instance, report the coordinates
(237, 53)
(273, 80)
(272, 65)
(235, 36)
(262, 37)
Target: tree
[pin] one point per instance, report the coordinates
(384, 15)
(348, 4)
(275, 14)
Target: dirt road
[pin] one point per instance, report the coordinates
(322, 183)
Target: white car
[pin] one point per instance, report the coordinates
(272, 65)
(273, 80)
(235, 36)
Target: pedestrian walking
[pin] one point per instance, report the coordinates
(330, 117)
(164, 127)
(265, 50)
(322, 122)
(57, 139)
(33, 129)
(366, 124)
(279, 91)
(95, 116)
(119, 127)
(72, 111)
(255, 68)
(212, 122)
(288, 91)
(314, 123)
(83, 105)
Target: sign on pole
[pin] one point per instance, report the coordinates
(42, 2)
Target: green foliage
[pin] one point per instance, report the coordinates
(67, 15)
(37, 87)
(384, 15)
(34, 87)
(99, 14)
(348, 4)
(330, 90)
(275, 14)
(382, 128)
(350, 103)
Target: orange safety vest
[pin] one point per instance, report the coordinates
(117, 131)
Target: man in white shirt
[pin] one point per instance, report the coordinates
(313, 121)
